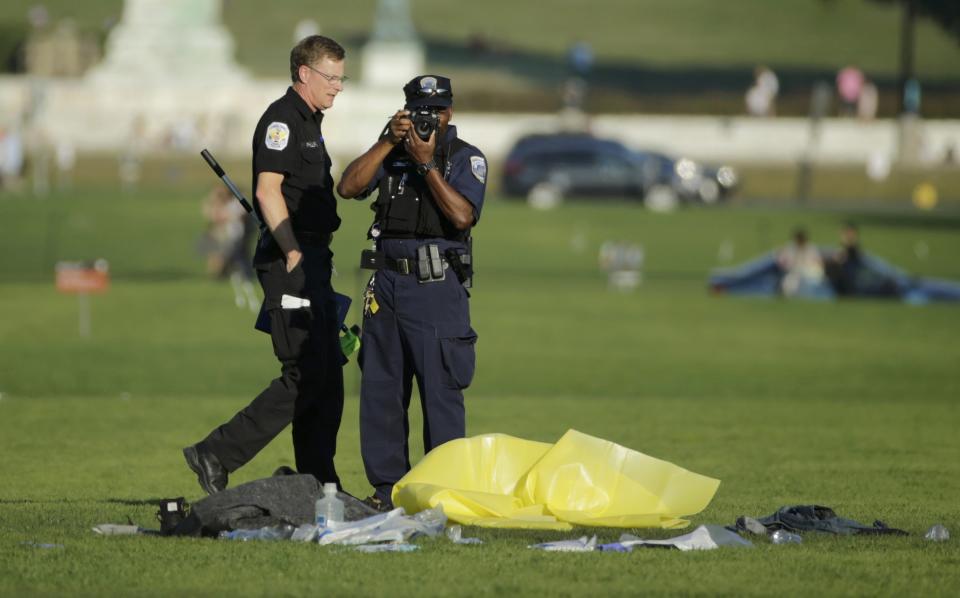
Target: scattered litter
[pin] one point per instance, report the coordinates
(614, 547)
(749, 524)
(328, 509)
(937, 533)
(806, 518)
(393, 526)
(581, 544)
(455, 534)
(41, 545)
(277, 532)
(705, 537)
(113, 529)
(277, 500)
(784, 537)
(379, 528)
(305, 533)
(386, 547)
(171, 513)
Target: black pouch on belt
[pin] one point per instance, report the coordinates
(429, 263)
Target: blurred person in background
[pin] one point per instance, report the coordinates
(761, 98)
(11, 158)
(802, 267)
(294, 197)
(130, 158)
(580, 58)
(842, 267)
(66, 158)
(225, 244)
(416, 317)
(850, 82)
(851, 274)
(868, 102)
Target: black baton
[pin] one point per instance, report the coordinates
(233, 188)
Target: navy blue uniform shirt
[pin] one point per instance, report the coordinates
(466, 172)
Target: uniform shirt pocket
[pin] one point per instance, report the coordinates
(313, 153)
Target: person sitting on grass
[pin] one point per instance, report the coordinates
(802, 267)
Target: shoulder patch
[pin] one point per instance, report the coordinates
(278, 134)
(478, 166)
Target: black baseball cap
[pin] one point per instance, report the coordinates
(428, 90)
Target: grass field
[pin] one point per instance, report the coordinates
(831, 184)
(851, 405)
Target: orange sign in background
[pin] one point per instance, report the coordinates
(83, 277)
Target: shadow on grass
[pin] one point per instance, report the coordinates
(130, 502)
(604, 534)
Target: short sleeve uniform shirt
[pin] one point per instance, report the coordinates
(288, 141)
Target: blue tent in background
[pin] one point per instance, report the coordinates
(872, 278)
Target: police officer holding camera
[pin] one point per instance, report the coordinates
(416, 323)
(294, 191)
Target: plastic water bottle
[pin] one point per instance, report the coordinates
(278, 532)
(937, 533)
(784, 537)
(328, 508)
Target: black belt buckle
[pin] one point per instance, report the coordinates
(376, 260)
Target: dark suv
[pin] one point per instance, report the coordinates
(578, 164)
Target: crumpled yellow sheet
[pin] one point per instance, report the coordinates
(495, 480)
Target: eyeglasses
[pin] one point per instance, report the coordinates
(330, 78)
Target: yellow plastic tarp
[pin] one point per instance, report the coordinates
(495, 480)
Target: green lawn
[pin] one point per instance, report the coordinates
(851, 404)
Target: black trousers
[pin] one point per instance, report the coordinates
(309, 391)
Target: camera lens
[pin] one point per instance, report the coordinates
(424, 128)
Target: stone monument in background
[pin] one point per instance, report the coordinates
(394, 54)
(168, 82)
(169, 39)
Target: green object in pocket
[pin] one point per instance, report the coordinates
(349, 340)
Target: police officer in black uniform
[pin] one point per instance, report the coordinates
(294, 191)
(416, 311)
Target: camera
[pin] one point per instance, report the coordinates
(172, 512)
(425, 120)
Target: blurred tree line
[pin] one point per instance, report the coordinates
(945, 13)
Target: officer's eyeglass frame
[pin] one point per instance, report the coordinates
(330, 78)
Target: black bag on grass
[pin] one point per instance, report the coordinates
(279, 500)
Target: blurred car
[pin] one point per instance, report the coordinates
(578, 164)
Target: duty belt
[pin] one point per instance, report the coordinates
(377, 260)
(428, 267)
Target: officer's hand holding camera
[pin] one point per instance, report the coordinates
(421, 151)
(400, 124)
